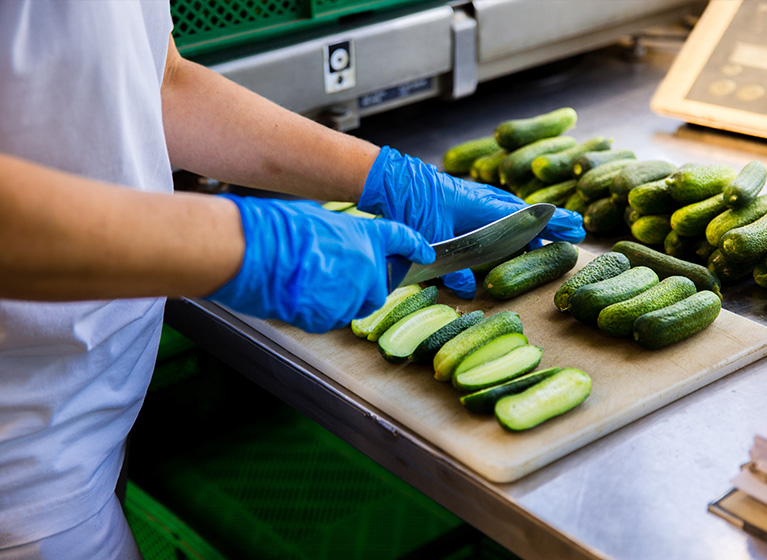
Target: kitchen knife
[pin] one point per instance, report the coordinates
(483, 245)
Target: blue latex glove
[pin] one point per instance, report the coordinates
(406, 189)
(313, 268)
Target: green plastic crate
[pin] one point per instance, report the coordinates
(203, 26)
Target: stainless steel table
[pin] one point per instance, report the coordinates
(639, 493)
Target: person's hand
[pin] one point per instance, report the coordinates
(405, 189)
(313, 268)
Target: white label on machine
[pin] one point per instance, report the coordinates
(339, 66)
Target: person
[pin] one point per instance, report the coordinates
(96, 106)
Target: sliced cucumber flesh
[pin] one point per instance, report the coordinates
(364, 326)
(492, 350)
(512, 364)
(404, 336)
(483, 401)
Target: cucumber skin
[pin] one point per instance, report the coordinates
(590, 160)
(512, 134)
(760, 273)
(463, 381)
(595, 183)
(734, 218)
(459, 159)
(515, 167)
(676, 322)
(699, 183)
(666, 265)
(361, 330)
(693, 219)
(427, 296)
(483, 401)
(553, 396)
(679, 246)
(507, 342)
(744, 189)
(589, 300)
(554, 194)
(456, 349)
(557, 167)
(599, 268)
(636, 174)
(728, 271)
(652, 198)
(746, 243)
(602, 216)
(618, 319)
(393, 358)
(653, 229)
(577, 202)
(485, 168)
(424, 352)
(530, 270)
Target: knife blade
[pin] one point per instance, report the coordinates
(483, 245)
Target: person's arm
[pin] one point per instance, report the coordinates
(218, 129)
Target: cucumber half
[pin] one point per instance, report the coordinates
(364, 326)
(399, 341)
(512, 364)
(483, 401)
(496, 348)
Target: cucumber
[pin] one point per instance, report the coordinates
(652, 230)
(496, 348)
(512, 134)
(485, 168)
(357, 213)
(516, 167)
(595, 183)
(630, 216)
(703, 251)
(404, 336)
(577, 202)
(519, 361)
(652, 198)
(589, 300)
(599, 268)
(557, 167)
(618, 319)
(590, 160)
(530, 270)
(692, 219)
(676, 322)
(456, 349)
(364, 326)
(554, 194)
(334, 206)
(487, 267)
(734, 218)
(553, 396)
(425, 351)
(746, 243)
(666, 265)
(760, 272)
(679, 246)
(528, 187)
(746, 186)
(458, 159)
(411, 304)
(483, 401)
(638, 173)
(602, 216)
(728, 271)
(699, 183)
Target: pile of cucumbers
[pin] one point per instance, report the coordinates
(488, 359)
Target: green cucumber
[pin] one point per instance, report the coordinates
(703, 251)
(427, 296)
(334, 206)
(357, 213)
(728, 271)
(424, 353)
(666, 265)
(554, 194)
(746, 243)
(577, 202)
(760, 272)
(590, 160)
(459, 159)
(519, 361)
(603, 216)
(734, 218)
(516, 167)
(589, 300)
(618, 319)
(487, 267)
(691, 220)
(527, 188)
(699, 183)
(630, 216)
(651, 230)
(553, 396)
(558, 167)
(485, 168)
(746, 186)
(530, 270)
(599, 268)
(364, 326)
(483, 401)
(404, 336)
(636, 174)
(652, 198)
(457, 348)
(679, 246)
(512, 134)
(595, 183)
(496, 348)
(676, 322)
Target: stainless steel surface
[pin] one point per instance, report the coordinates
(489, 243)
(639, 493)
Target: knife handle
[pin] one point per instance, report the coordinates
(396, 269)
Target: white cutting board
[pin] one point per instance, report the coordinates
(628, 381)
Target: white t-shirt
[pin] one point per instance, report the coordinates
(79, 91)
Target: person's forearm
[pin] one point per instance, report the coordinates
(221, 130)
(64, 237)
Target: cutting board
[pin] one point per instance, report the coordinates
(628, 381)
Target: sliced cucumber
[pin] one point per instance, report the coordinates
(492, 350)
(483, 401)
(404, 336)
(335, 206)
(411, 304)
(553, 396)
(364, 326)
(425, 351)
(512, 364)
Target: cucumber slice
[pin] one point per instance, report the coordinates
(364, 326)
(494, 349)
(483, 401)
(551, 397)
(334, 206)
(404, 336)
(512, 364)
(357, 213)
(411, 304)
(425, 352)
